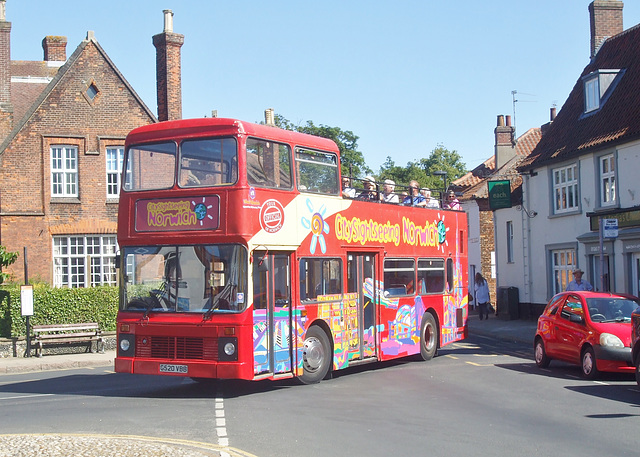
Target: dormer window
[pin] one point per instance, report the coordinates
(598, 86)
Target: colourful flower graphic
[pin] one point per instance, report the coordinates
(317, 225)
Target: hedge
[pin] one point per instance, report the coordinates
(58, 306)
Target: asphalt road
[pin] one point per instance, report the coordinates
(479, 397)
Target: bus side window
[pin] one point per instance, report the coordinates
(430, 276)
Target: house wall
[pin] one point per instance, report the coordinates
(535, 237)
(66, 117)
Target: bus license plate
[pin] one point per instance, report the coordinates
(167, 368)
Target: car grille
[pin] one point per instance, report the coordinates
(181, 348)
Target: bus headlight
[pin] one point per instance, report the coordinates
(228, 349)
(126, 345)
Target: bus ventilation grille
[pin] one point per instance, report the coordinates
(182, 348)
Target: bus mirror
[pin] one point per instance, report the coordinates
(263, 264)
(117, 261)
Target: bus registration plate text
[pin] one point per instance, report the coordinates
(167, 368)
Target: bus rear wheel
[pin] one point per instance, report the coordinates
(428, 337)
(316, 356)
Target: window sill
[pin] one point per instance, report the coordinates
(65, 200)
(576, 212)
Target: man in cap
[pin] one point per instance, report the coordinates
(387, 195)
(369, 192)
(578, 283)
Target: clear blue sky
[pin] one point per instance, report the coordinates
(405, 75)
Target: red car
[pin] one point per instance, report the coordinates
(635, 341)
(589, 329)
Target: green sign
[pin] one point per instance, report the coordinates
(499, 194)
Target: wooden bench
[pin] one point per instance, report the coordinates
(67, 333)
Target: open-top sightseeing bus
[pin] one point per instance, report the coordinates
(239, 258)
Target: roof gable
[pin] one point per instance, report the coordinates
(33, 94)
(473, 184)
(573, 133)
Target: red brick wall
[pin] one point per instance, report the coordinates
(487, 245)
(66, 117)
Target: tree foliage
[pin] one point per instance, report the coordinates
(423, 170)
(347, 141)
(6, 258)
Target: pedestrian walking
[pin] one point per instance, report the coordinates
(483, 298)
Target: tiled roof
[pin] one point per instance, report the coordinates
(30, 78)
(473, 184)
(572, 133)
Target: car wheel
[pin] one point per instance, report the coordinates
(316, 356)
(589, 368)
(428, 337)
(542, 360)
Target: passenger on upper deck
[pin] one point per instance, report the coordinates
(387, 195)
(452, 202)
(415, 198)
(431, 202)
(369, 192)
(347, 190)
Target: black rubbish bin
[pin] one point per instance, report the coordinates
(507, 303)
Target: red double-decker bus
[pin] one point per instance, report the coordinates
(239, 258)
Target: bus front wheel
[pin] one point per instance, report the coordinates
(316, 356)
(428, 337)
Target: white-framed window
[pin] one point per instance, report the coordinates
(591, 94)
(64, 171)
(84, 260)
(563, 261)
(607, 180)
(115, 157)
(565, 189)
(510, 241)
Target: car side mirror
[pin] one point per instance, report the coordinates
(575, 318)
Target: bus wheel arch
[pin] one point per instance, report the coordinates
(317, 353)
(429, 336)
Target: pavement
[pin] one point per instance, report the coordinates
(507, 330)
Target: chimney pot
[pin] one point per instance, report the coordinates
(500, 120)
(269, 117)
(168, 21)
(508, 120)
(552, 114)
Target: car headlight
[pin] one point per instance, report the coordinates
(609, 340)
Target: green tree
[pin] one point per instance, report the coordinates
(347, 141)
(6, 259)
(423, 170)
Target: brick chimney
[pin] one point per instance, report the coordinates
(505, 147)
(6, 108)
(606, 21)
(55, 48)
(168, 70)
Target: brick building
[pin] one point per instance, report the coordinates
(63, 122)
(508, 152)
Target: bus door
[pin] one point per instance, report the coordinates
(272, 351)
(361, 280)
